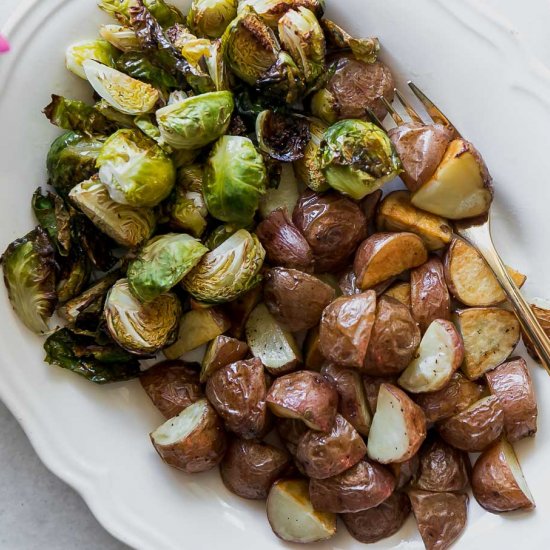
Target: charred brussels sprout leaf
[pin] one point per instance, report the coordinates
(166, 14)
(282, 137)
(30, 276)
(72, 114)
(121, 37)
(228, 271)
(100, 364)
(308, 169)
(98, 51)
(363, 49)
(138, 65)
(74, 275)
(141, 329)
(271, 11)
(136, 171)
(72, 159)
(357, 158)
(162, 264)
(51, 213)
(211, 17)
(234, 180)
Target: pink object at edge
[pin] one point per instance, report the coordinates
(4, 45)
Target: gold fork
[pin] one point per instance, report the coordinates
(477, 231)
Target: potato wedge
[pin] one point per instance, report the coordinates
(440, 517)
(461, 186)
(364, 486)
(398, 427)
(430, 299)
(221, 351)
(384, 255)
(197, 327)
(313, 357)
(498, 483)
(396, 213)
(271, 343)
(401, 291)
(304, 395)
(353, 405)
(442, 468)
(295, 299)
(454, 398)
(542, 313)
(469, 278)
(381, 522)
(489, 334)
(238, 392)
(327, 454)
(404, 472)
(239, 311)
(474, 429)
(291, 515)
(346, 327)
(172, 386)
(249, 468)
(193, 441)
(290, 431)
(511, 383)
(439, 356)
(394, 339)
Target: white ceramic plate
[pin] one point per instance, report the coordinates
(482, 60)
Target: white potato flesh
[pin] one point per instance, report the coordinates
(178, 428)
(285, 196)
(438, 357)
(291, 514)
(515, 468)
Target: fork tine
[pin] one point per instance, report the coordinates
(374, 119)
(431, 108)
(394, 114)
(412, 113)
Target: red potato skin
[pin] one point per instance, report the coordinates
(172, 386)
(370, 203)
(404, 472)
(430, 299)
(372, 387)
(290, 431)
(324, 455)
(511, 383)
(364, 486)
(381, 522)
(238, 392)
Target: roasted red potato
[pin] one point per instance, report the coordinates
(474, 429)
(290, 431)
(430, 298)
(220, 352)
(364, 486)
(249, 468)
(372, 388)
(313, 356)
(511, 383)
(398, 427)
(542, 313)
(381, 522)
(498, 483)
(172, 386)
(193, 441)
(441, 517)
(405, 472)
(307, 396)
(327, 454)
(369, 205)
(401, 291)
(238, 393)
(346, 327)
(296, 299)
(239, 311)
(385, 255)
(394, 339)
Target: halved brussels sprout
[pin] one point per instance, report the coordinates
(196, 121)
(141, 329)
(357, 158)
(272, 10)
(122, 38)
(30, 275)
(302, 36)
(124, 93)
(53, 216)
(219, 235)
(308, 169)
(89, 50)
(162, 263)
(166, 14)
(135, 169)
(234, 180)
(72, 159)
(195, 49)
(126, 225)
(228, 271)
(363, 49)
(211, 17)
(136, 65)
(216, 66)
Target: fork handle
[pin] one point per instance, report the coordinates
(527, 319)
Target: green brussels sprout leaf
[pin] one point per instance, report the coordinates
(51, 213)
(75, 271)
(142, 67)
(121, 37)
(363, 49)
(166, 14)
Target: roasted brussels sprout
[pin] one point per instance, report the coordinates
(141, 329)
(228, 271)
(71, 159)
(308, 168)
(136, 65)
(135, 170)
(126, 225)
(196, 121)
(357, 158)
(270, 11)
(121, 37)
(211, 17)
(30, 276)
(99, 51)
(162, 264)
(166, 14)
(363, 49)
(234, 180)
(53, 216)
(100, 364)
(73, 276)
